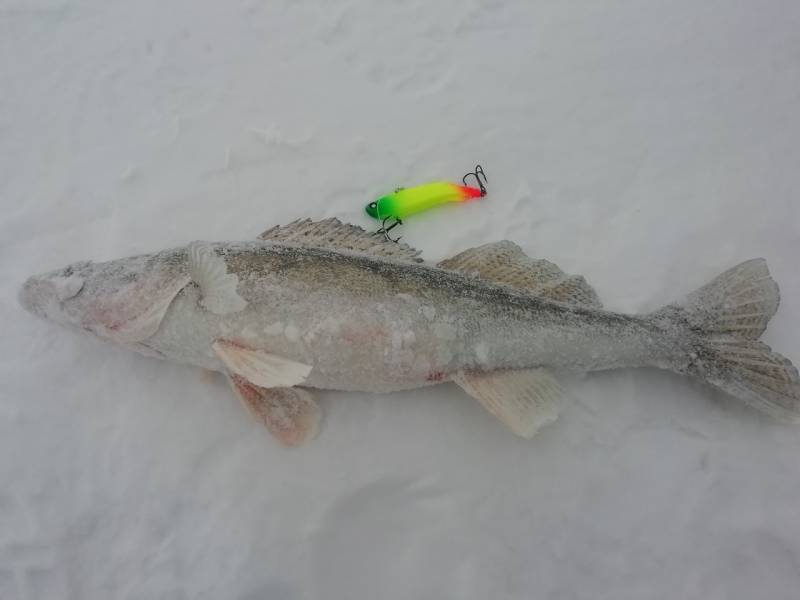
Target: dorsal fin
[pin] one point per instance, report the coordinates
(332, 234)
(505, 263)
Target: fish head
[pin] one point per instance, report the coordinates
(55, 295)
(122, 300)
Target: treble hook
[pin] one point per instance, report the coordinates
(477, 174)
(385, 230)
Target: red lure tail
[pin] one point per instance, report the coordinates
(470, 193)
(480, 177)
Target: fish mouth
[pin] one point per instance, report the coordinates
(43, 295)
(35, 294)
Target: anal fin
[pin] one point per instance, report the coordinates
(289, 413)
(524, 400)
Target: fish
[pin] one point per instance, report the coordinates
(327, 305)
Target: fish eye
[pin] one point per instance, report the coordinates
(75, 268)
(373, 205)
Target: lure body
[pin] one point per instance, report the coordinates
(410, 201)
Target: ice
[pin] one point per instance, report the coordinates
(646, 146)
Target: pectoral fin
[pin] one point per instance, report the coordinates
(290, 414)
(260, 367)
(524, 400)
(217, 285)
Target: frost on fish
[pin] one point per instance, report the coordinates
(329, 305)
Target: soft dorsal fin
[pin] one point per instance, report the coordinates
(505, 263)
(332, 234)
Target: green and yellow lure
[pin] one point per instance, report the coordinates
(410, 201)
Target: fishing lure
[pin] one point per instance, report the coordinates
(404, 202)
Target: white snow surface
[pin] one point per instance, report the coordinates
(646, 145)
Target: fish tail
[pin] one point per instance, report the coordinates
(726, 317)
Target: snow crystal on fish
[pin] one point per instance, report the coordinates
(429, 312)
(275, 328)
(291, 332)
(482, 352)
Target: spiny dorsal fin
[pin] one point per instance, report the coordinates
(505, 263)
(332, 234)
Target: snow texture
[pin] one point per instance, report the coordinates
(647, 146)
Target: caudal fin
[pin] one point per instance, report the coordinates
(727, 316)
(751, 371)
(740, 302)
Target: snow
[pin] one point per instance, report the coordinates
(645, 145)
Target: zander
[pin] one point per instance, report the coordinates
(328, 305)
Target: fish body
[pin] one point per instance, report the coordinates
(326, 305)
(370, 324)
